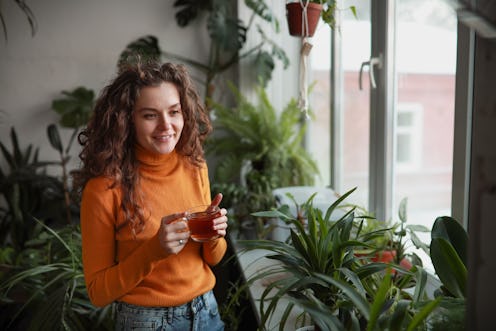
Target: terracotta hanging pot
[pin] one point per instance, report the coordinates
(296, 18)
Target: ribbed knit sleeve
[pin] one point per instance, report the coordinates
(213, 251)
(106, 279)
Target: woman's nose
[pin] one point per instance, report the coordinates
(164, 121)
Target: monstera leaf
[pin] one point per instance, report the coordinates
(189, 10)
(75, 108)
(227, 32)
(146, 48)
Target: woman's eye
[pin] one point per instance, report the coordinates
(149, 116)
(175, 112)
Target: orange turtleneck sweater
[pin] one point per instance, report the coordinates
(119, 267)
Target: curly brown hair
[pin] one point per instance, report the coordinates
(108, 141)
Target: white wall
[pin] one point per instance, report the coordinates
(77, 44)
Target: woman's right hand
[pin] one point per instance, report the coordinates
(173, 233)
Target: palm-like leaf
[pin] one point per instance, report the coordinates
(60, 282)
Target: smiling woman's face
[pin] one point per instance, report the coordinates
(158, 118)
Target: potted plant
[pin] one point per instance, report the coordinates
(318, 271)
(261, 149)
(228, 41)
(303, 16)
(40, 257)
(49, 270)
(393, 241)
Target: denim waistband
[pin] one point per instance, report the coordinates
(193, 306)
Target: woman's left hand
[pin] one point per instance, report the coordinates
(220, 223)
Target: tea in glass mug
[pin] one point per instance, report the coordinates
(201, 222)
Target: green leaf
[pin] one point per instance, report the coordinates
(229, 33)
(379, 301)
(448, 228)
(399, 315)
(264, 64)
(75, 108)
(402, 210)
(271, 214)
(189, 10)
(420, 316)
(262, 10)
(54, 138)
(146, 48)
(358, 300)
(449, 267)
(421, 283)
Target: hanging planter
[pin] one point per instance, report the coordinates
(303, 17)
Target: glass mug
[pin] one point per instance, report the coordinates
(201, 222)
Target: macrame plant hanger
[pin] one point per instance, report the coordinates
(306, 46)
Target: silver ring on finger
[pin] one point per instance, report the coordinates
(181, 241)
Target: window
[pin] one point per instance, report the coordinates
(396, 140)
(408, 137)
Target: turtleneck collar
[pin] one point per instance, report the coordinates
(156, 162)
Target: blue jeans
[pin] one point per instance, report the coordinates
(201, 314)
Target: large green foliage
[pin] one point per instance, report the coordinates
(257, 149)
(228, 36)
(318, 271)
(47, 290)
(259, 146)
(448, 251)
(40, 258)
(28, 191)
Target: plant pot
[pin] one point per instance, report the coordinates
(386, 256)
(295, 18)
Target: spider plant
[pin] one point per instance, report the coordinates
(318, 271)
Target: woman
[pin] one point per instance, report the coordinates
(142, 168)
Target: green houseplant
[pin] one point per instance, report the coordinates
(396, 238)
(51, 272)
(40, 254)
(448, 252)
(228, 39)
(318, 271)
(260, 148)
